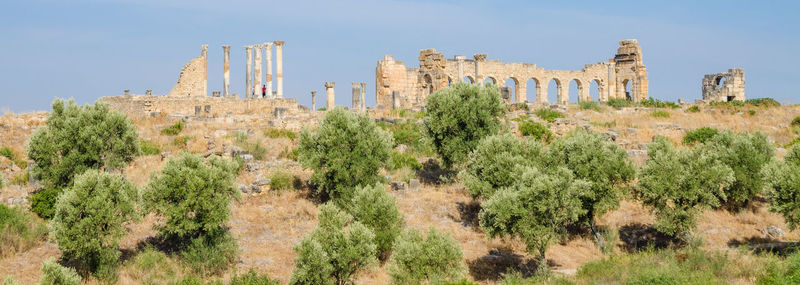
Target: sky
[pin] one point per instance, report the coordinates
(86, 49)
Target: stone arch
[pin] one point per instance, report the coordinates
(579, 91)
(469, 79)
(491, 79)
(428, 79)
(536, 89)
(719, 81)
(596, 90)
(626, 90)
(558, 98)
(515, 91)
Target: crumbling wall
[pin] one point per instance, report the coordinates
(725, 86)
(193, 79)
(392, 75)
(630, 69)
(151, 105)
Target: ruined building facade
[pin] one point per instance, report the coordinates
(725, 86)
(398, 86)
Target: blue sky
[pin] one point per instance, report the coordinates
(85, 49)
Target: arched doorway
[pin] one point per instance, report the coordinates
(552, 90)
(469, 79)
(428, 84)
(532, 90)
(575, 91)
(594, 90)
(513, 86)
(626, 84)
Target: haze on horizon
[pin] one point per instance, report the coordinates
(86, 49)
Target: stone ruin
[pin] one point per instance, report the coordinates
(398, 86)
(725, 86)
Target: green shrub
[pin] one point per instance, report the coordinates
(279, 133)
(181, 141)
(655, 103)
(335, 251)
(253, 278)
(210, 254)
(787, 274)
(409, 134)
(403, 160)
(681, 184)
(20, 230)
(8, 153)
(8, 280)
(535, 209)
(796, 122)
(693, 109)
(762, 102)
(187, 184)
(281, 180)
(2, 182)
(376, 209)
(590, 105)
(490, 166)
(147, 147)
(782, 181)
(54, 273)
(533, 129)
(425, 258)
(746, 155)
(619, 103)
(346, 151)
(594, 158)
(77, 138)
(254, 148)
(548, 115)
(153, 267)
(21, 179)
(659, 114)
(173, 130)
(89, 218)
(751, 112)
(458, 117)
(700, 135)
(43, 202)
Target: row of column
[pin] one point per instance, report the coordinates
(253, 77)
(359, 97)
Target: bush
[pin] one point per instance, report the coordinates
(659, 114)
(403, 160)
(619, 103)
(8, 153)
(153, 267)
(655, 103)
(533, 129)
(210, 254)
(409, 134)
(589, 105)
(77, 138)
(592, 157)
(187, 184)
(548, 115)
(782, 181)
(693, 109)
(54, 273)
(89, 220)
(346, 151)
(490, 166)
(680, 184)
(2, 183)
(21, 179)
(796, 122)
(419, 258)
(762, 102)
(335, 251)
(253, 278)
(43, 202)
(746, 155)
(290, 154)
(181, 141)
(8, 280)
(148, 148)
(536, 208)
(281, 180)
(700, 135)
(20, 230)
(459, 116)
(173, 130)
(279, 133)
(377, 210)
(787, 274)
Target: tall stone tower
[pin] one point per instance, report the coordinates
(629, 70)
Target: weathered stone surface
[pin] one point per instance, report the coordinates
(775, 232)
(413, 184)
(399, 186)
(192, 81)
(261, 181)
(252, 167)
(725, 86)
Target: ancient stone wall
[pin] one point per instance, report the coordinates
(436, 72)
(725, 86)
(192, 81)
(152, 105)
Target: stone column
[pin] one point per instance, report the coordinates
(479, 58)
(356, 96)
(279, 67)
(329, 96)
(460, 60)
(204, 54)
(395, 99)
(611, 84)
(226, 71)
(249, 74)
(363, 96)
(268, 79)
(313, 100)
(257, 72)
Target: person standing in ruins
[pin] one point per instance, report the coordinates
(263, 91)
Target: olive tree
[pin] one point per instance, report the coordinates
(746, 155)
(680, 184)
(376, 209)
(89, 220)
(490, 165)
(536, 208)
(335, 251)
(346, 151)
(193, 196)
(425, 258)
(783, 186)
(458, 117)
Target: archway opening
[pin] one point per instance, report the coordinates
(552, 91)
(428, 84)
(449, 81)
(594, 90)
(532, 87)
(489, 80)
(469, 79)
(720, 81)
(627, 84)
(511, 83)
(574, 94)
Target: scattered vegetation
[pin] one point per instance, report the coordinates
(253, 147)
(782, 181)
(400, 160)
(181, 141)
(796, 122)
(619, 103)
(376, 209)
(693, 109)
(458, 117)
(11, 155)
(655, 103)
(54, 273)
(211, 253)
(253, 278)
(590, 105)
(335, 251)
(490, 166)
(21, 179)
(281, 180)
(408, 133)
(289, 153)
(89, 220)
(756, 102)
(700, 135)
(548, 115)
(279, 133)
(43, 202)
(147, 147)
(536, 130)
(173, 130)
(659, 114)
(433, 258)
(20, 230)
(346, 151)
